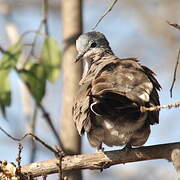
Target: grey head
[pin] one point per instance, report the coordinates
(91, 43)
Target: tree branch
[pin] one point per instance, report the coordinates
(101, 160)
(107, 11)
(175, 71)
(157, 108)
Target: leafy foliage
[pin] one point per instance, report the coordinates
(50, 58)
(34, 75)
(5, 91)
(35, 79)
(11, 57)
(7, 63)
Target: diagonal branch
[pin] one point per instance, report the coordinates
(175, 71)
(108, 10)
(51, 125)
(101, 160)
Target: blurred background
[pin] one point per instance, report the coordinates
(134, 28)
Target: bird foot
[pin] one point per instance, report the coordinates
(100, 148)
(127, 148)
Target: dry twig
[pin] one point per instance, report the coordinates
(34, 137)
(33, 128)
(157, 108)
(18, 159)
(175, 71)
(34, 41)
(49, 121)
(108, 10)
(42, 24)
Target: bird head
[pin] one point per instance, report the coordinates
(91, 43)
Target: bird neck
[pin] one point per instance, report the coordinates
(86, 66)
(88, 61)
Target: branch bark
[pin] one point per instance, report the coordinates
(101, 160)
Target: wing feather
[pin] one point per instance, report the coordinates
(124, 77)
(81, 109)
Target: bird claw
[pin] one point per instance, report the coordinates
(127, 148)
(100, 148)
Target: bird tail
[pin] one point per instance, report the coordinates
(111, 104)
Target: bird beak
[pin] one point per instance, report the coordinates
(79, 56)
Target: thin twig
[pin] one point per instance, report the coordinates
(18, 159)
(157, 108)
(175, 71)
(7, 134)
(34, 137)
(177, 26)
(44, 23)
(33, 44)
(31, 32)
(43, 143)
(49, 121)
(33, 127)
(59, 164)
(106, 12)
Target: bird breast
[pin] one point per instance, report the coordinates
(116, 132)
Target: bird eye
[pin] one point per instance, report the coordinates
(93, 45)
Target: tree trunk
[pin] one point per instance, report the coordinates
(72, 28)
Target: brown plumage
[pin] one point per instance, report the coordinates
(107, 106)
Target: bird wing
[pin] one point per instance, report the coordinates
(125, 77)
(121, 85)
(125, 83)
(153, 116)
(81, 109)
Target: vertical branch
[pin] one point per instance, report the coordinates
(72, 28)
(33, 128)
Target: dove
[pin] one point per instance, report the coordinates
(111, 93)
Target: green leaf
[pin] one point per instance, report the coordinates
(35, 79)
(11, 56)
(51, 58)
(5, 91)
(7, 63)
